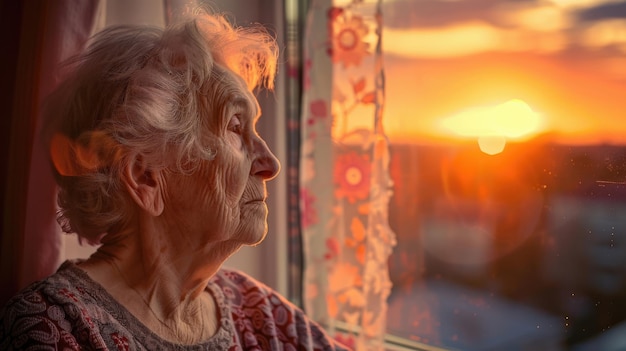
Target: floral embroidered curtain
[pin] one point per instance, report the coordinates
(345, 185)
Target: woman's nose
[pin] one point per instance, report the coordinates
(265, 164)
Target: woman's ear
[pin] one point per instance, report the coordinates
(144, 185)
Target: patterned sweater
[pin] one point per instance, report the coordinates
(70, 311)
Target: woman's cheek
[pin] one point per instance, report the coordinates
(234, 180)
(234, 141)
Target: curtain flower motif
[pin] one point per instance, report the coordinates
(352, 176)
(333, 247)
(347, 340)
(309, 213)
(348, 32)
(319, 111)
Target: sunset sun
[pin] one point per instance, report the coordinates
(493, 125)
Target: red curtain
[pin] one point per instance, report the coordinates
(36, 36)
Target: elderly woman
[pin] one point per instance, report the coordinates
(153, 141)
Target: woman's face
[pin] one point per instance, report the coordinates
(224, 200)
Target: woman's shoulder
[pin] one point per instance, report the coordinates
(47, 312)
(240, 287)
(63, 290)
(263, 317)
(230, 276)
(61, 287)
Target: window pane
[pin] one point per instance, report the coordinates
(508, 140)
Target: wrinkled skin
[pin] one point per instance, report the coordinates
(224, 200)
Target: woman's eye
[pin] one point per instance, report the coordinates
(234, 125)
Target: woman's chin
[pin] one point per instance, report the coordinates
(254, 234)
(257, 239)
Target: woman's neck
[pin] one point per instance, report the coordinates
(159, 281)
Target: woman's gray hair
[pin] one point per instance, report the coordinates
(144, 91)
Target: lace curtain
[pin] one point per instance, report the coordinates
(345, 185)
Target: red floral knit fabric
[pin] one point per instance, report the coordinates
(69, 311)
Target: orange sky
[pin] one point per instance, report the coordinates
(572, 98)
(579, 89)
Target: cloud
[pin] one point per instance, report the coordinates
(435, 13)
(453, 28)
(441, 13)
(603, 26)
(606, 33)
(468, 38)
(538, 17)
(605, 11)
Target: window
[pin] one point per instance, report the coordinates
(508, 158)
